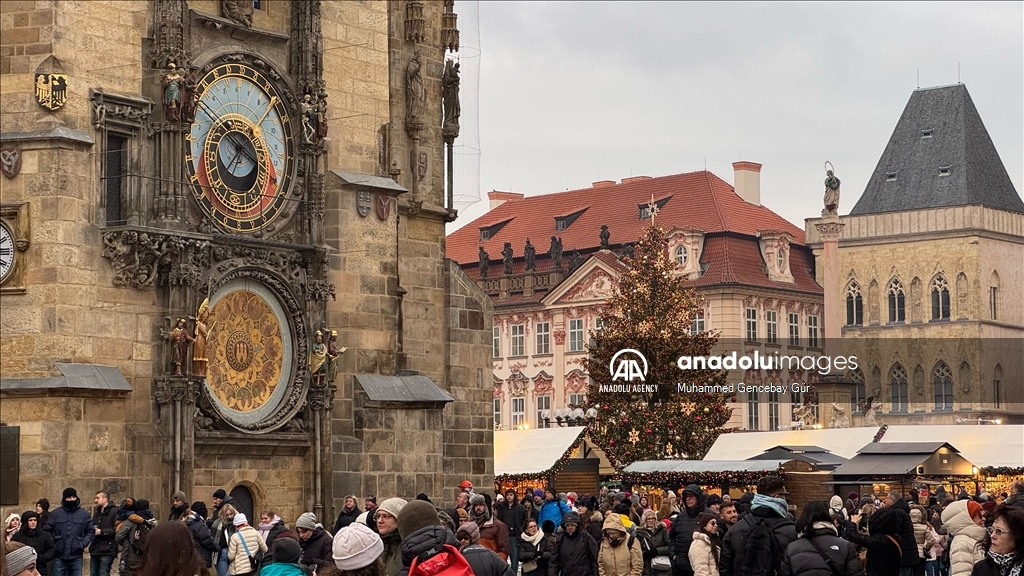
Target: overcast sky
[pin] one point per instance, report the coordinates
(573, 92)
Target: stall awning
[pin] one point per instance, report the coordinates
(533, 452)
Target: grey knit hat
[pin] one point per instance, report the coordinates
(307, 521)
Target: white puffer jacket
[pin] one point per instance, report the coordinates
(964, 551)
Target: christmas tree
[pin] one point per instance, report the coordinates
(651, 311)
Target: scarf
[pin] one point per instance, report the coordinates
(778, 505)
(825, 525)
(264, 529)
(1005, 563)
(535, 539)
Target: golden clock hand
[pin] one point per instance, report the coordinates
(273, 100)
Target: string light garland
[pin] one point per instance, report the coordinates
(544, 474)
(726, 478)
(1002, 471)
(881, 432)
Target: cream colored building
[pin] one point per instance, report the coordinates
(748, 264)
(932, 263)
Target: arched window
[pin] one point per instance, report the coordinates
(854, 305)
(681, 255)
(898, 387)
(993, 296)
(942, 378)
(859, 392)
(940, 298)
(997, 387)
(897, 301)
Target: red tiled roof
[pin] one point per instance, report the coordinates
(736, 260)
(699, 200)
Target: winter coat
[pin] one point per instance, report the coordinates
(201, 537)
(1015, 500)
(540, 553)
(345, 517)
(72, 532)
(486, 562)
(803, 559)
(494, 535)
(734, 546)
(938, 544)
(654, 543)
(38, 540)
(238, 559)
(923, 538)
(683, 527)
(222, 532)
(513, 515)
(884, 554)
(420, 542)
(281, 569)
(552, 510)
(593, 526)
(392, 556)
(964, 551)
(103, 543)
(317, 550)
(126, 533)
(625, 559)
(274, 532)
(574, 555)
(702, 555)
(908, 542)
(987, 567)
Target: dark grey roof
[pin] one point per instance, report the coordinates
(904, 448)
(73, 376)
(958, 141)
(815, 455)
(405, 388)
(370, 181)
(881, 465)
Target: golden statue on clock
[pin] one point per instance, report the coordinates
(240, 148)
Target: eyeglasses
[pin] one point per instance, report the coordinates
(998, 531)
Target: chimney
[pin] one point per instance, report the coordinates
(603, 183)
(747, 181)
(499, 198)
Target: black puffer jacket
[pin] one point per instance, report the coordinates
(575, 554)
(734, 547)
(103, 543)
(683, 527)
(486, 562)
(803, 559)
(906, 533)
(345, 517)
(274, 532)
(317, 550)
(201, 537)
(39, 540)
(654, 543)
(421, 542)
(883, 555)
(72, 531)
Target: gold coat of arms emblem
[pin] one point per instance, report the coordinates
(51, 90)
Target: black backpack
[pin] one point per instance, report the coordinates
(140, 534)
(760, 555)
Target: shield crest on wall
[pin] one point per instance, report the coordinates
(364, 201)
(51, 90)
(384, 206)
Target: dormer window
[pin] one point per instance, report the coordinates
(485, 233)
(645, 209)
(780, 259)
(926, 133)
(682, 254)
(488, 232)
(563, 222)
(891, 176)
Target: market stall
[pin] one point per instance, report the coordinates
(733, 477)
(560, 457)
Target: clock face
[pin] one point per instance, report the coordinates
(240, 151)
(6, 253)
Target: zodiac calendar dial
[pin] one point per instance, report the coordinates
(240, 148)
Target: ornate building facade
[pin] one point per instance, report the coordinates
(932, 272)
(227, 227)
(749, 265)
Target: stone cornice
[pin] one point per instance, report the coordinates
(58, 134)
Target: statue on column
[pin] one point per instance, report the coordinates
(172, 84)
(531, 255)
(415, 93)
(867, 408)
(199, 360)
(238, 11)
(309, 120)
(605, 236)
(506, 257)
(485, 262)
(450, 99)
(831, 192)
(179, 339)
(318, 356)
(555, 252)
(839, 417)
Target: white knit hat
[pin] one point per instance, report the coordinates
(393, 506)
(356, 546)
(239, 519)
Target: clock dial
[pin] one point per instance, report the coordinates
(6, 252)
(240, 148)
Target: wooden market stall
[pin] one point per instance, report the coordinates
(733, 477)
(560, 457)
(882, 466)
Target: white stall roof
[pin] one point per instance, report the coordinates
(704, 466)
(989, 445)
(532, 451)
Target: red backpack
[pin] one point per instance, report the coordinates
(448, 562)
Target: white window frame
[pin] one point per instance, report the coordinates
(681, 255)
(497, 411)
(753, 405)
(518, 411)
(773, 411)
(575, 335)
(697, 326)
(496, 342)
(543, 339)
(771, 325)
(794, 329)
(543, 403)
(812, 331)
(518, 347)
(577, 398)
(751, 325)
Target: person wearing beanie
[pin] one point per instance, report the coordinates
(72, 531)
(741, 549)
(43, 510)
(31, 534)
(315, 542)
(370, 503)
(245, 547)
(965, 526)
(619, 554)
(283, 559)
(574, 552)
(425, 541)
(132, 535)
(494, 533)
(591, 518)
(202, 538)
(538, 498)
(461, 517)
(468, 533)
(552, 509)
(511, 513)
(705, 551)
(348, 514)
(103, 548)
(386, 518)
(357, 550)
(18, 559)
(199, 507)
(179, 504)
(446, 519)
(220, 498)
(714, 501)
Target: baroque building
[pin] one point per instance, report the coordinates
(931, 264)
(561, 257)
(226, 267)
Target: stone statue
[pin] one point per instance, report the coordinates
(605, 235)
(485, 262)
(831, 193)
(309, 120)
(199, 359)
(506, 257)
(238, 11)
(575, 261)
(333, 352)
(805, 415)
(867, 408)
(172, 83)
(189, 96)
(450, 99)
(179, 339)
(839, 417)
(321, 114)
(415, 94)
(318, 355)
(555, 252)
(531, 255)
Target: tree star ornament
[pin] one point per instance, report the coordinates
(634, 436)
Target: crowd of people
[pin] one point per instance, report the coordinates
(542, 533)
